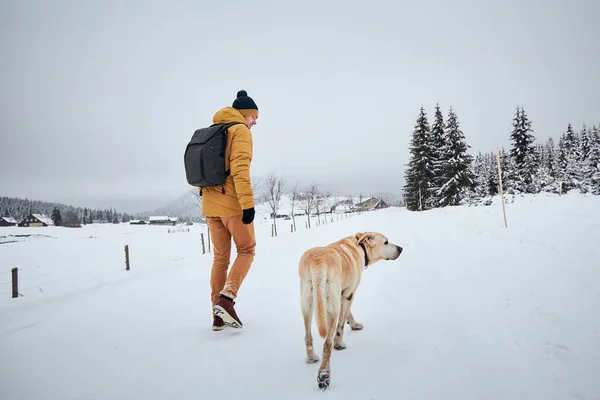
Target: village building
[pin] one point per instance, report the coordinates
(8, 221)
(36, 220)
(162, 220)
(370, 204)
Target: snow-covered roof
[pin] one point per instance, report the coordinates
(44, 218)
(159, 218)
(10, 220)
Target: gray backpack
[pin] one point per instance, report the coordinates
(204, 157)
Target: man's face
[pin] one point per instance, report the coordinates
(250, 121)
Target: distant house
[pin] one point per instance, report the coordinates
(162, 220)
(137, 222)
(370, 204)
(36, 220)
(8, 221)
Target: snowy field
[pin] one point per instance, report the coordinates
(470, 310)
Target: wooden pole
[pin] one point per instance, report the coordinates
(126, 257)
(15, 282)
(202, 241)
(500, 182)
(208, 236)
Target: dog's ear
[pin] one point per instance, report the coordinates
(364, 237)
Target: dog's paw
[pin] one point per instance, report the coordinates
(323, 380)
(312, 360)
(357, 326)
(339, 346)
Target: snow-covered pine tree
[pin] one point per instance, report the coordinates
(456, 175)
(419, 171)
(551, 157)
(56, 217)
(583, 152)
(507, 165)
(570, 160)
(439, 147)
(478, 169)
(522, 153)
(584, 144)
(592, 162)
(491, 169)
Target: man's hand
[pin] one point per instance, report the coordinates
(248, 216)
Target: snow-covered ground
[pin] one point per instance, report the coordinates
(470, 310)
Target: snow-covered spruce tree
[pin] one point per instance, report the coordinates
(456, 175)
(56, 217)
(478, 169)
(572, 171)
(583, 152)
(584, 144)
(592, 162)
(419, 171)
(491, 170)
(507, 165)
(551, 157)
(522, 153)
(543, 179)
(439, 147)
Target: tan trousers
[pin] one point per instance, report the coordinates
(222, 230)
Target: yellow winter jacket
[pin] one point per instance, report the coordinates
(238, 194)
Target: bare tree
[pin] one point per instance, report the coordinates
(294, 200)
(360, 200)
(308, 200)
(71, 220)
(257, 184)
(272, 190)
(321, 204)
(196, 200)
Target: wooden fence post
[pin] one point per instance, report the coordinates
(15, 283)
(126, 257)
(208, 236)
(500, 182)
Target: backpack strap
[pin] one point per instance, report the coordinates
(228, 172)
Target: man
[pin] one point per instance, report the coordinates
(229, 212)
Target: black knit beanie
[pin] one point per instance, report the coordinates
(245, 105)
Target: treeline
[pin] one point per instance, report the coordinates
(441, 171)
(18, 209)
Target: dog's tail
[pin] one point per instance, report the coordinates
(326, 302)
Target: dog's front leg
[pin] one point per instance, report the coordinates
(338, 342)
(356, 326)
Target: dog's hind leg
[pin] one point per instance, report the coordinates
(338, 343)
(331, 321)
(355, 326)
(324, 375)
(307, 312)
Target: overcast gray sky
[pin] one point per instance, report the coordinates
(99, 99)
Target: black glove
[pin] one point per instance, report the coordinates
(248, 216)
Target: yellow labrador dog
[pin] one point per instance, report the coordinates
(329, 277)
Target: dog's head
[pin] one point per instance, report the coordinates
(377, 247)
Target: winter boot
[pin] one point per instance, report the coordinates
(224, 309)
(218, 324)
